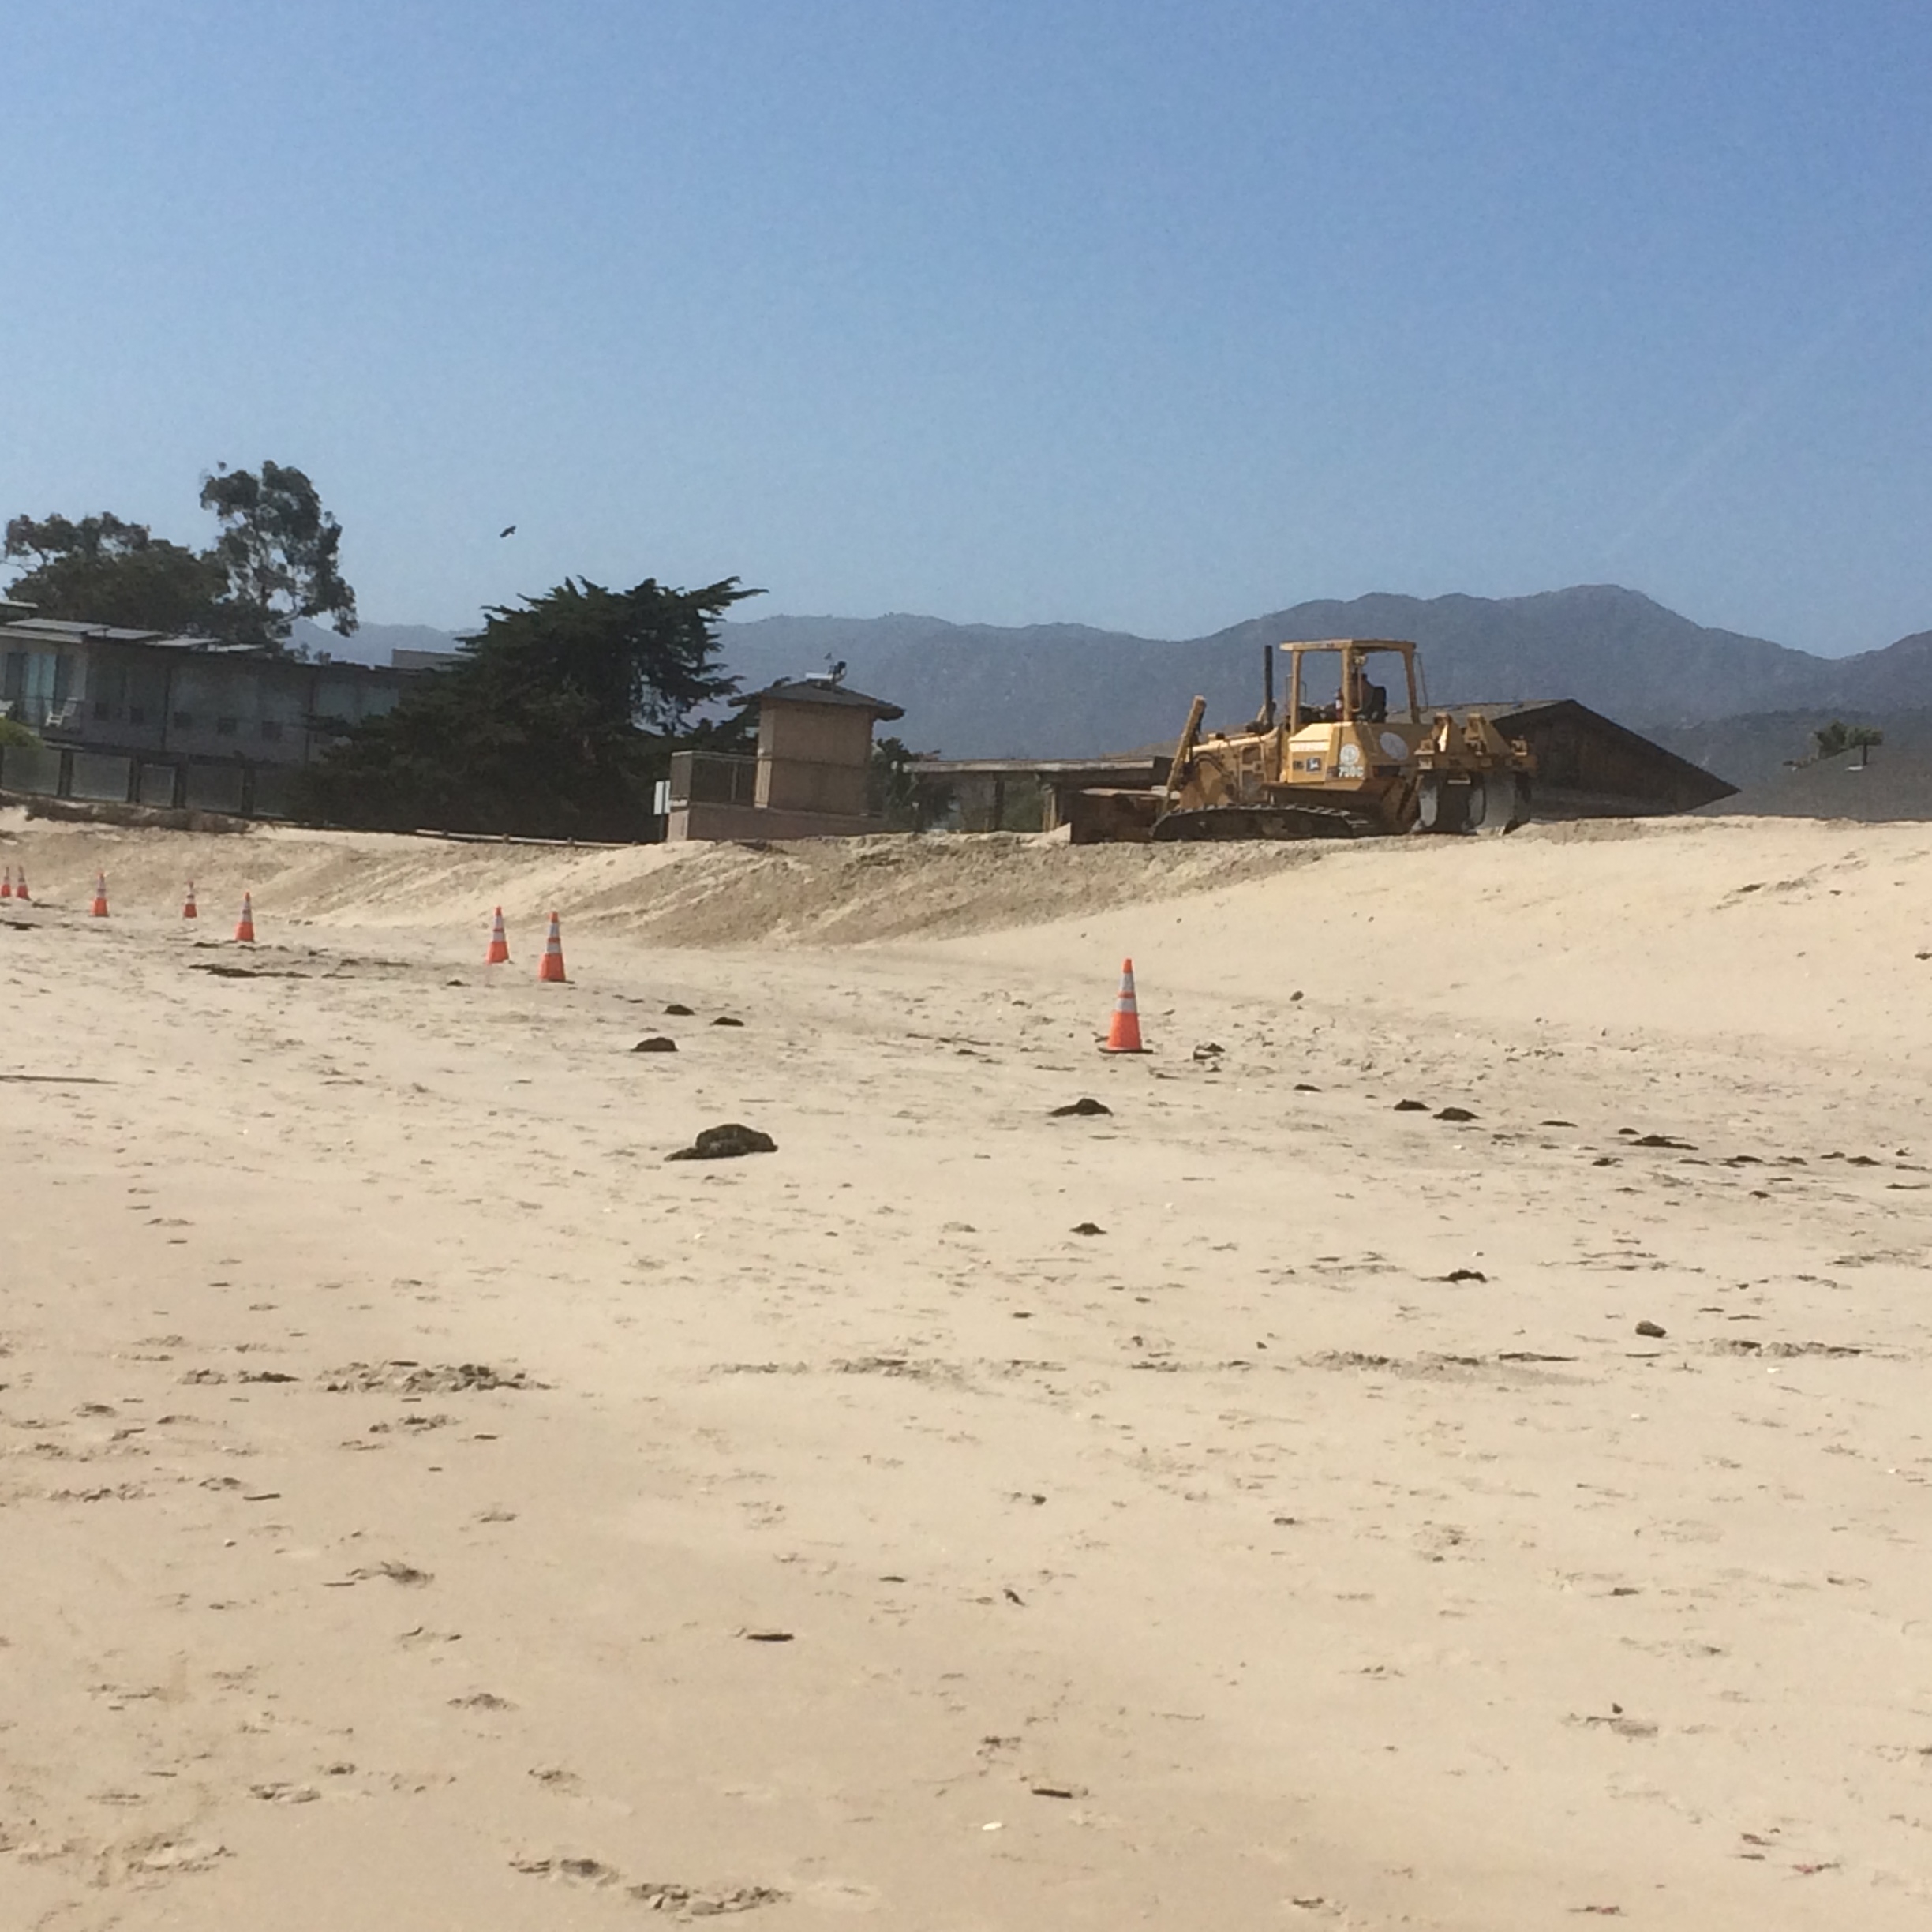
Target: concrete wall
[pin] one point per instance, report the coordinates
(694, 820)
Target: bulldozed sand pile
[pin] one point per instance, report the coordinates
(1443, 1447)
(828, 891)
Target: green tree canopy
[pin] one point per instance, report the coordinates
(279, 551)
(553, 722)
(1838, 736)
(277, 558)
(897, 792)
(1863, 739)
(102, 570)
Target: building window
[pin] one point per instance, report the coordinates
(225, 728)
(137, 714)
(271, 731)
(183, 721)
(103, 709)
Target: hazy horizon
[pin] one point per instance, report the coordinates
(753, 613)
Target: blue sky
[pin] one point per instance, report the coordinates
(1142, 314)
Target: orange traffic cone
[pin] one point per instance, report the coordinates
(19, 888)
(188, 905)
(1124, 1034)
(550, 967)
(7, 884)
(498, 953)
(99, 908)
(245, 926)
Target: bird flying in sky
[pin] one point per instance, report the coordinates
(509, 529)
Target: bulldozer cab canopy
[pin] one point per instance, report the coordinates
(1336, 680)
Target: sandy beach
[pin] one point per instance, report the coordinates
(423, 1504)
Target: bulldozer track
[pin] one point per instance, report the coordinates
(1265, 822)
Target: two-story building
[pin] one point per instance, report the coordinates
(139, 717)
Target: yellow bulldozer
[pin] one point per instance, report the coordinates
(1344, 757)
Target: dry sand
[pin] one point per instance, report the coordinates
(402, 1461)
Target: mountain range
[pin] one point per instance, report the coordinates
(1069, 690)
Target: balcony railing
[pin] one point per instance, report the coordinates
(44, 713)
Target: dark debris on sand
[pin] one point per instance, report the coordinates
(411, 1378)
(726, 1143)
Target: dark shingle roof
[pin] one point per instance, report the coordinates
(822, 691)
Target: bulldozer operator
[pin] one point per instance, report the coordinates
(1367, 701)
(1371, 699)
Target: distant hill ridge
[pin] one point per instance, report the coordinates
(985, 691)
(1040, 690)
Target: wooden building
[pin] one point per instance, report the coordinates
(808, 779)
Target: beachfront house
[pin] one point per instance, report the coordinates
(139, 717)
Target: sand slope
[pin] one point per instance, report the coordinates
(400, 1463)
